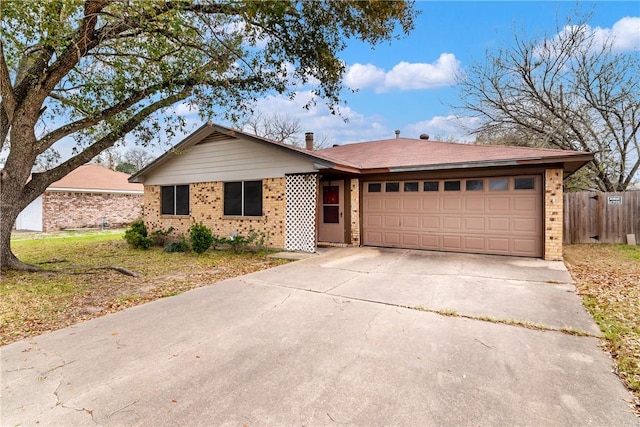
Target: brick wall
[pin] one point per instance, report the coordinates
(207, 204)
(355, 211)
(553, 214)
(63, 210)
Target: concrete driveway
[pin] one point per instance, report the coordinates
(355, 336)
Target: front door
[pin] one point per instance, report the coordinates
(331, 227)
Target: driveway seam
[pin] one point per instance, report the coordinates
(488, 319)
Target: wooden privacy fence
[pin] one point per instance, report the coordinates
(596, 217)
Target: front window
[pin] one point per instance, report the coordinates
(243, 198)
(175, 199)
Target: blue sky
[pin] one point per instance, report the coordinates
(408, 85)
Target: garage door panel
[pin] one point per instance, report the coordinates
(392, 239)
(429, 241)
(410, 221)
(431, 222)
(499, 204)
(474, 243)
(498, 224)
(474, 224)
(452, 204)
(525, 204)
(372, 220)
(496, 220)
(452, 243)
(451, 223)
(411, 204)
(498, 245)
(410, 240)
(391, 221)
(373, 204)
(373, 238)
(392, 205)
(529, 225)
(430, 205)
(474, 205)
(524, 246)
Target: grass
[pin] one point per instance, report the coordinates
(608, 280)
(76, 284)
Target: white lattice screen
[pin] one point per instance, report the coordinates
(301, 212)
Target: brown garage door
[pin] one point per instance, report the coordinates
(499, 215)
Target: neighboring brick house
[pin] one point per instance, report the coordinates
(90, 196)
(400, 192)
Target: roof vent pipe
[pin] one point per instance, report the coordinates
(397, 134)
(308, 141)
(424, 136)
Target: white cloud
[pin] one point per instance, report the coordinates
(625, 33)
(444, 128)
(360, 76)
(318, 118)
(360, 127)
(404, 75)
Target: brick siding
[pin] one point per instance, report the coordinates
(64, 210)
(553, 214)
(355, 211)
(206, 205)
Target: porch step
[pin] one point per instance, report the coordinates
(334, 245)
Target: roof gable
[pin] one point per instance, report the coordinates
(220, 135)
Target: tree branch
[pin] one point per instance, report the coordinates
(8, 104)
(41, 180)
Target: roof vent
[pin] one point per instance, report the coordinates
(397, 133)
(424, 136)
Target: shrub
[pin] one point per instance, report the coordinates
(240, 243)
(179, 246)
(160, 236)
(200, 237)
(136, 235)
(218, 241)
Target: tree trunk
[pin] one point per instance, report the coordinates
(8, 261)
(13, 199)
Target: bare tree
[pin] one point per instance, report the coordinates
(320, 140)
(137, 157)
(572, 91)
(283, 128)
(278, 127)
(109, 158)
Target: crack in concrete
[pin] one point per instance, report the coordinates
(336, 421)
(88, 411)
(508, 322)
(402, 254)
(277, 305)
(18, 369)
(123, 408)
(62, 365)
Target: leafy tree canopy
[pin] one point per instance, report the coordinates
(97, 70)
